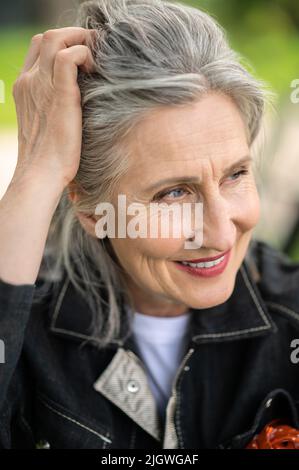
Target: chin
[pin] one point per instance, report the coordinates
(212, 299)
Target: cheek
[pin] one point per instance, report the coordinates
(136, 251)
(252, 209)
(145, 238)
(162, 248)
(246, 209)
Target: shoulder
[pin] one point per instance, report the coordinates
(277, 278)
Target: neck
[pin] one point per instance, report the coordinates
(154, 305)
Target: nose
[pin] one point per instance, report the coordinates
(219, 229)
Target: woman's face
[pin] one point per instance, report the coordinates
(206, 141)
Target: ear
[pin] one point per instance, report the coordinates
(87, 222)
(72, 192)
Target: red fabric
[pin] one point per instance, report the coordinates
(276, 435)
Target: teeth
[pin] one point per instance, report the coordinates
(207, 264)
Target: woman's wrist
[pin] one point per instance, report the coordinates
(38, 179)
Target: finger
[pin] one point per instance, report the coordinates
(66, 66)
(33, 52)
(55, 40)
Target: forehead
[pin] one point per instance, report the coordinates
(210, 128)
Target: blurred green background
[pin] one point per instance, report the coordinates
(266, 33)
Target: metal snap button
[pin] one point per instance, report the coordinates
(133, 386)
(43, 444)
(269, 402)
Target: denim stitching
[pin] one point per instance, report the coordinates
(203, 336)
(76, 422)
(247, 330)
(56, 313)
(105, 378)
(105, 445)
(45, 399)
(253, 294)
(258, 416)
(179, 428)
(284, 309)
(25, 423)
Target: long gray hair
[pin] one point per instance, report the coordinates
(147, 53)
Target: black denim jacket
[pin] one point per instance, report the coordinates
(237, 375)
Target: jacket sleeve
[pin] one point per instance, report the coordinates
(15, 307)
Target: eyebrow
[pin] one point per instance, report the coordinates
(194, 179)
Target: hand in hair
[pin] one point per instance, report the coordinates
(48, 103)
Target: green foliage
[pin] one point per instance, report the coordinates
(265, 33)
(14, 44)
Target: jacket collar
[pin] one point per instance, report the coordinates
(243, 315)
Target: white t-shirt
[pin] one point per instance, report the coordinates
(162, 343)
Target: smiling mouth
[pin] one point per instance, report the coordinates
(204, 262)
(204, 269)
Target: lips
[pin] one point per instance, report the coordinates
(202, 260)
(210, 268)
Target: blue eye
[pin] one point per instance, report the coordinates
(237, 175)
(176, 190)
(175, 193)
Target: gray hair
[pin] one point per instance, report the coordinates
(148, 53)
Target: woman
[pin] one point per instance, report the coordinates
(140, 342)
